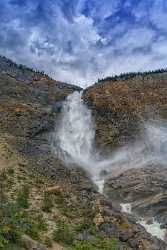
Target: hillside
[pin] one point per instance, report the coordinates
(120, 106)
(44, 204)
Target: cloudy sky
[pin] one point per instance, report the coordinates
(79, 41)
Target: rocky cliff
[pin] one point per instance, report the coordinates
(120, 106)
(43, 203)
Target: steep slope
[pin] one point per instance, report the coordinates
(41, 199)
(131, 119)
(121, 106)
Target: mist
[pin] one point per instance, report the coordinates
(73, 141)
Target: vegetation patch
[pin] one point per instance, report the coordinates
(47, 202)
(63, 233)
(23, 196)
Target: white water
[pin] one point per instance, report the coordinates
(100, 183)
(74, 142)
(154, 229)
(126, 208)
(74, 138)
(75, 134)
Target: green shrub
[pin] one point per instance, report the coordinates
(81, 227)
(84, 245)
(63, 233)
(109, 244)
(33, 225)
(10, 224)
(23, 196)
(12, 246)
(47, 202)
(15, 221)
(97, 244)
(3, 241)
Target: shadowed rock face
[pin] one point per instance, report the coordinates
(119, 107)
(145, 189)
(29, 110)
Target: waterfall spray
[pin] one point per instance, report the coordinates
(74, 138)
(74, 143)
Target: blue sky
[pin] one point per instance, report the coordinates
(79, 41)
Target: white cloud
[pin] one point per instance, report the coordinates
(84, 46)
(136, 38)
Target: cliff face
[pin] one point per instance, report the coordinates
(120, 107)
(41, 199)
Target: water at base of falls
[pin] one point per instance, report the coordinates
(154, 228)
(74, 143)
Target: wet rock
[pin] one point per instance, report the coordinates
(58, 106)
(145, 189)
(109, 229)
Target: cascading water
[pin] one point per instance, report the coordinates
(74, 142)
(76, 133)
(74, 138)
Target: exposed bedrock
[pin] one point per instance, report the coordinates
(144, 188)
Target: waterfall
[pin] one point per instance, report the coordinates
(74, 143)
(75, 134)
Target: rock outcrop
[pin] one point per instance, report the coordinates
(120, 107)
(145, 189)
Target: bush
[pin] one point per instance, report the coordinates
(12, 246)
(34, 225)
(14, 222)
(23, 196)
(105, 244)
(63, 233)
(47, 202)
(10, 220)
(109, 244)
(84, 245)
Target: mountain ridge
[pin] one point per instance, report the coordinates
(53, 202)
